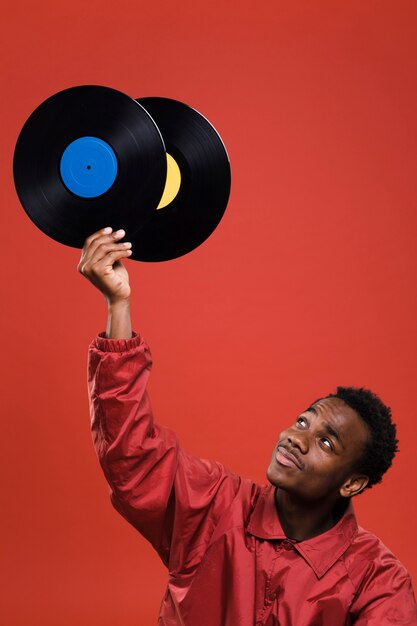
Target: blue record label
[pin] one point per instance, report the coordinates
(88, 167)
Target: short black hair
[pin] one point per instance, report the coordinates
(382, 444)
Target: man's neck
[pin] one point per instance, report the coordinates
(301, 519)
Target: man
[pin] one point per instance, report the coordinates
(289, 554)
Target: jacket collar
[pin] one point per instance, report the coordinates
(320, 552)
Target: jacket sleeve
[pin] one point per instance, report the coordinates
(173, 499)
(387, 597)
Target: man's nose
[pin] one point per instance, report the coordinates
(298, 440)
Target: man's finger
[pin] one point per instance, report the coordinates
(103, 239)
(103, 231)
(104, 248)
(105, 265)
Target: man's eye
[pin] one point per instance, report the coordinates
(327, 443)
(302, 421)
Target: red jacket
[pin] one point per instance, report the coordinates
(219, 535)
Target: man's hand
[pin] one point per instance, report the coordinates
(101, 264)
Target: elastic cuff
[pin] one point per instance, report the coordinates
(104, 344)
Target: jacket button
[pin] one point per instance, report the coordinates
(287, 545)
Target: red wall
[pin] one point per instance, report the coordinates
(308, 282)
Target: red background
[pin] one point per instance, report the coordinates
(308, 282)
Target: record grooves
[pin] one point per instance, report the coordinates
(121, 145)
(202, 198)
(90, 157)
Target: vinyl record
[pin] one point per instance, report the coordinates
(89, 157)
(198, 183)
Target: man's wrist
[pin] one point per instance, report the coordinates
(119, 324)
(118, 305)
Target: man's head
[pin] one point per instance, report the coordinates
(339, 446)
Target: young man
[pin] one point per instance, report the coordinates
(288, 554)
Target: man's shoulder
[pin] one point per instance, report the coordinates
(367, 541)
(369, 558)
(383, 588)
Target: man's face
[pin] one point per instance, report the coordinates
(316, 456)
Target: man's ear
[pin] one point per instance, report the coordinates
(353, 485)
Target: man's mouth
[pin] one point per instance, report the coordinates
(287, 458)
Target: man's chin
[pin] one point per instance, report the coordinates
(279, 477)
(274, 478)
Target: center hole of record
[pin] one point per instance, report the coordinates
(89, 167)
(172, 183)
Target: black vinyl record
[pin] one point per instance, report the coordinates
(89, 157)
(193, 214)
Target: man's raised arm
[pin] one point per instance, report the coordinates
(171, 497)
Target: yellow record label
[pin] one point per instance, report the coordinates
(172, 184)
